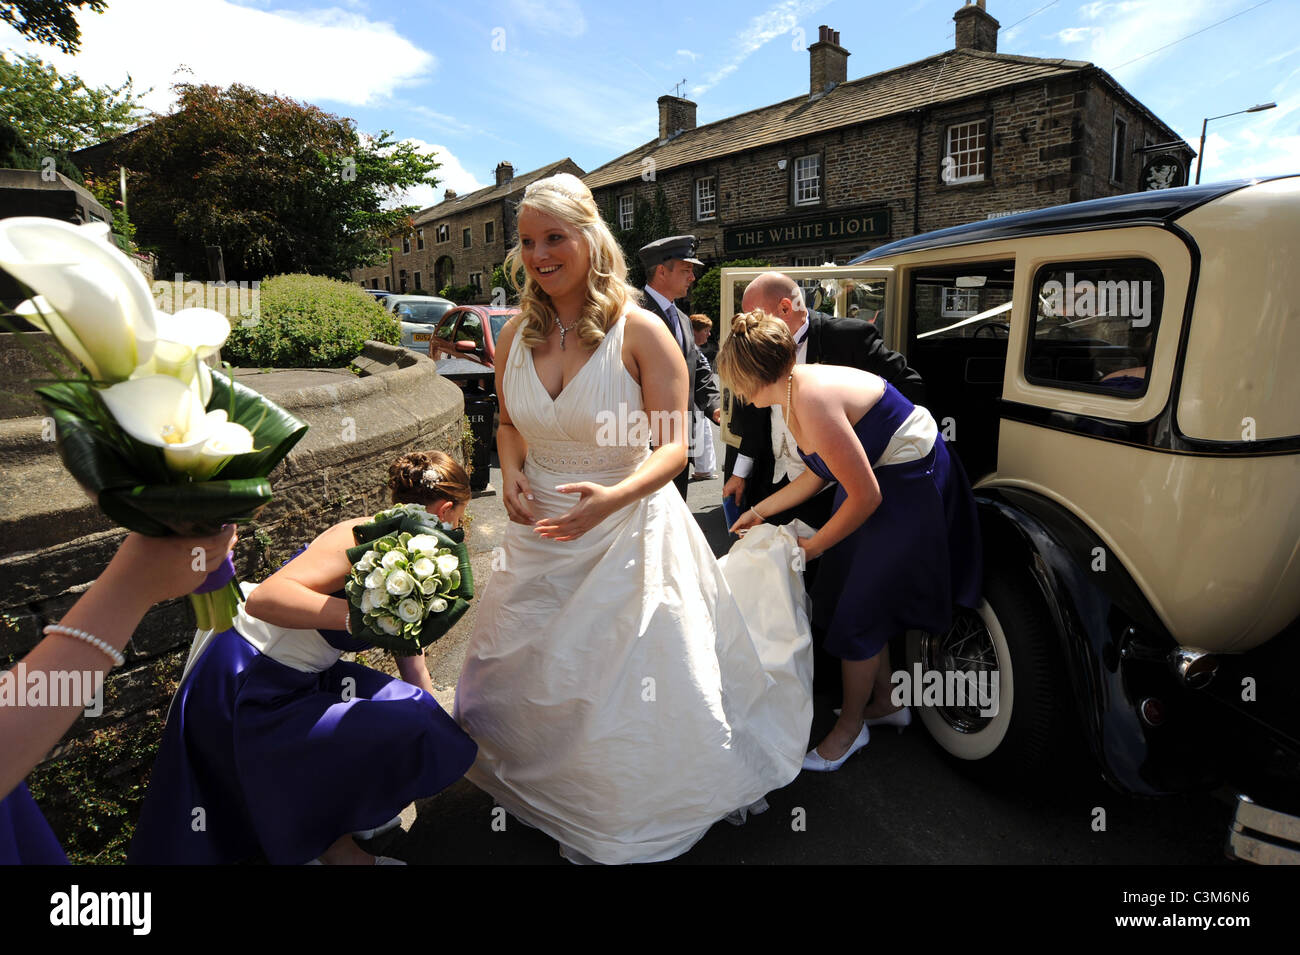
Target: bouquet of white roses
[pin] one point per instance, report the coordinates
(410, 580)
(163, 444)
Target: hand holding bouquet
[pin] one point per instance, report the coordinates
(164, 445)
(410, 580)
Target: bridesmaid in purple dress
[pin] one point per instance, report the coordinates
(89, 639)
(287, 750)
(901, 547)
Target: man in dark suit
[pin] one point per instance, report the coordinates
(670, 272)
(758, 470)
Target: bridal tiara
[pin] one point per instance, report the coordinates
(566, 184)
(433, 477)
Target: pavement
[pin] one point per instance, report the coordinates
(901, 800)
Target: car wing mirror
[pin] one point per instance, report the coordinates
(466, 345)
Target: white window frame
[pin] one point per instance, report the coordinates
(968, 151)
(626, 212)
(959, 302)
(706, 198)
(807, 262)
(419, 239)
(442, 233)
(804, 193)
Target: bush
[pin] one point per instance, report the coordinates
(307, 321)
(460, 294)
(706, 293)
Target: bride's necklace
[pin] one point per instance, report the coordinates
(789, 385)
(564, 330)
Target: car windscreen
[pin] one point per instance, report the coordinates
(420, 312)
(498, 323)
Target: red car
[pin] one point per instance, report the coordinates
(464, 344)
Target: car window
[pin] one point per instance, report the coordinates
(499, 321)
(471, 329)
(1095, 326)
(448, 326)
(965, 301)
(425, 312)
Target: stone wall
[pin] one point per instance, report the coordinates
(54, 542)
(1050, 144)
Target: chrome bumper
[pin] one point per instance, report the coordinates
(1263, 836)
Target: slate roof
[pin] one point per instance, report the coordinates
(945, 77)
(493, 192)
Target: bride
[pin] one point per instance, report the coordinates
(620, 701)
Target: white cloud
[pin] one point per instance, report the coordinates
(451, 174)
(689, 53)
(552, 17)
(1076, 34)
(1129, 30)
(778, 20)
(326, 54)
(1253, 144)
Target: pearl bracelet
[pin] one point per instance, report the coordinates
(756, 514)
(112, 653)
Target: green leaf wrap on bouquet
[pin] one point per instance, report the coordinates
(130, 481)
(411, 580)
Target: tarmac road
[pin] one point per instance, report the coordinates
(900, 800)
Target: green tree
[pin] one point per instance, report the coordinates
(61, 113)
(53, 22)
(280, 186)
(706, 293)
(650, 221)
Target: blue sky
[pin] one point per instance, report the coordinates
(531, 82)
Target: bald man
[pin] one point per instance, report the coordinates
(759, 469)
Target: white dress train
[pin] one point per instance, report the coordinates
(625, 690)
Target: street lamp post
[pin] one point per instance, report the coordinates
(1201, 155)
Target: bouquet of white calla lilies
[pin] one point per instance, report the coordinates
(410, 579)
(89, 295)
(164, 445)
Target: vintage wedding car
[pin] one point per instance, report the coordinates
(1121, 379)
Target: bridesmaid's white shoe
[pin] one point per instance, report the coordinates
(900, 718)
(818, 763)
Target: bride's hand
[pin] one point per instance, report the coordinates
(596, 504)
(747, 520)
(517, 497)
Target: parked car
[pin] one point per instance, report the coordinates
(379, 293)
(1118, 378)
(464, 350)
(419, 315)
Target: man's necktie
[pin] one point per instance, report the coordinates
(674, 322)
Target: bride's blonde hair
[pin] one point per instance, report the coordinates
(567, 198)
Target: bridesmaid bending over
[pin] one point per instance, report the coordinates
(901, 546)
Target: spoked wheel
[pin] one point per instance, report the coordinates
(1007, 648)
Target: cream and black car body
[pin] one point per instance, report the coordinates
(1121, 380)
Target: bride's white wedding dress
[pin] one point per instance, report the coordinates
(621, 700)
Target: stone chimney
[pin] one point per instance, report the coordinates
(676, 115)
(828, 62)
(448, 195)
(504, 172)
(976, 28)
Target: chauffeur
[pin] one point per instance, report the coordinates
(670, 268)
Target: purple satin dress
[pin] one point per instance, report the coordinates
(25, 836)
(915, 558)
(259, 758)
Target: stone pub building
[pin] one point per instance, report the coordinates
(966, 134)
(459, 241)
